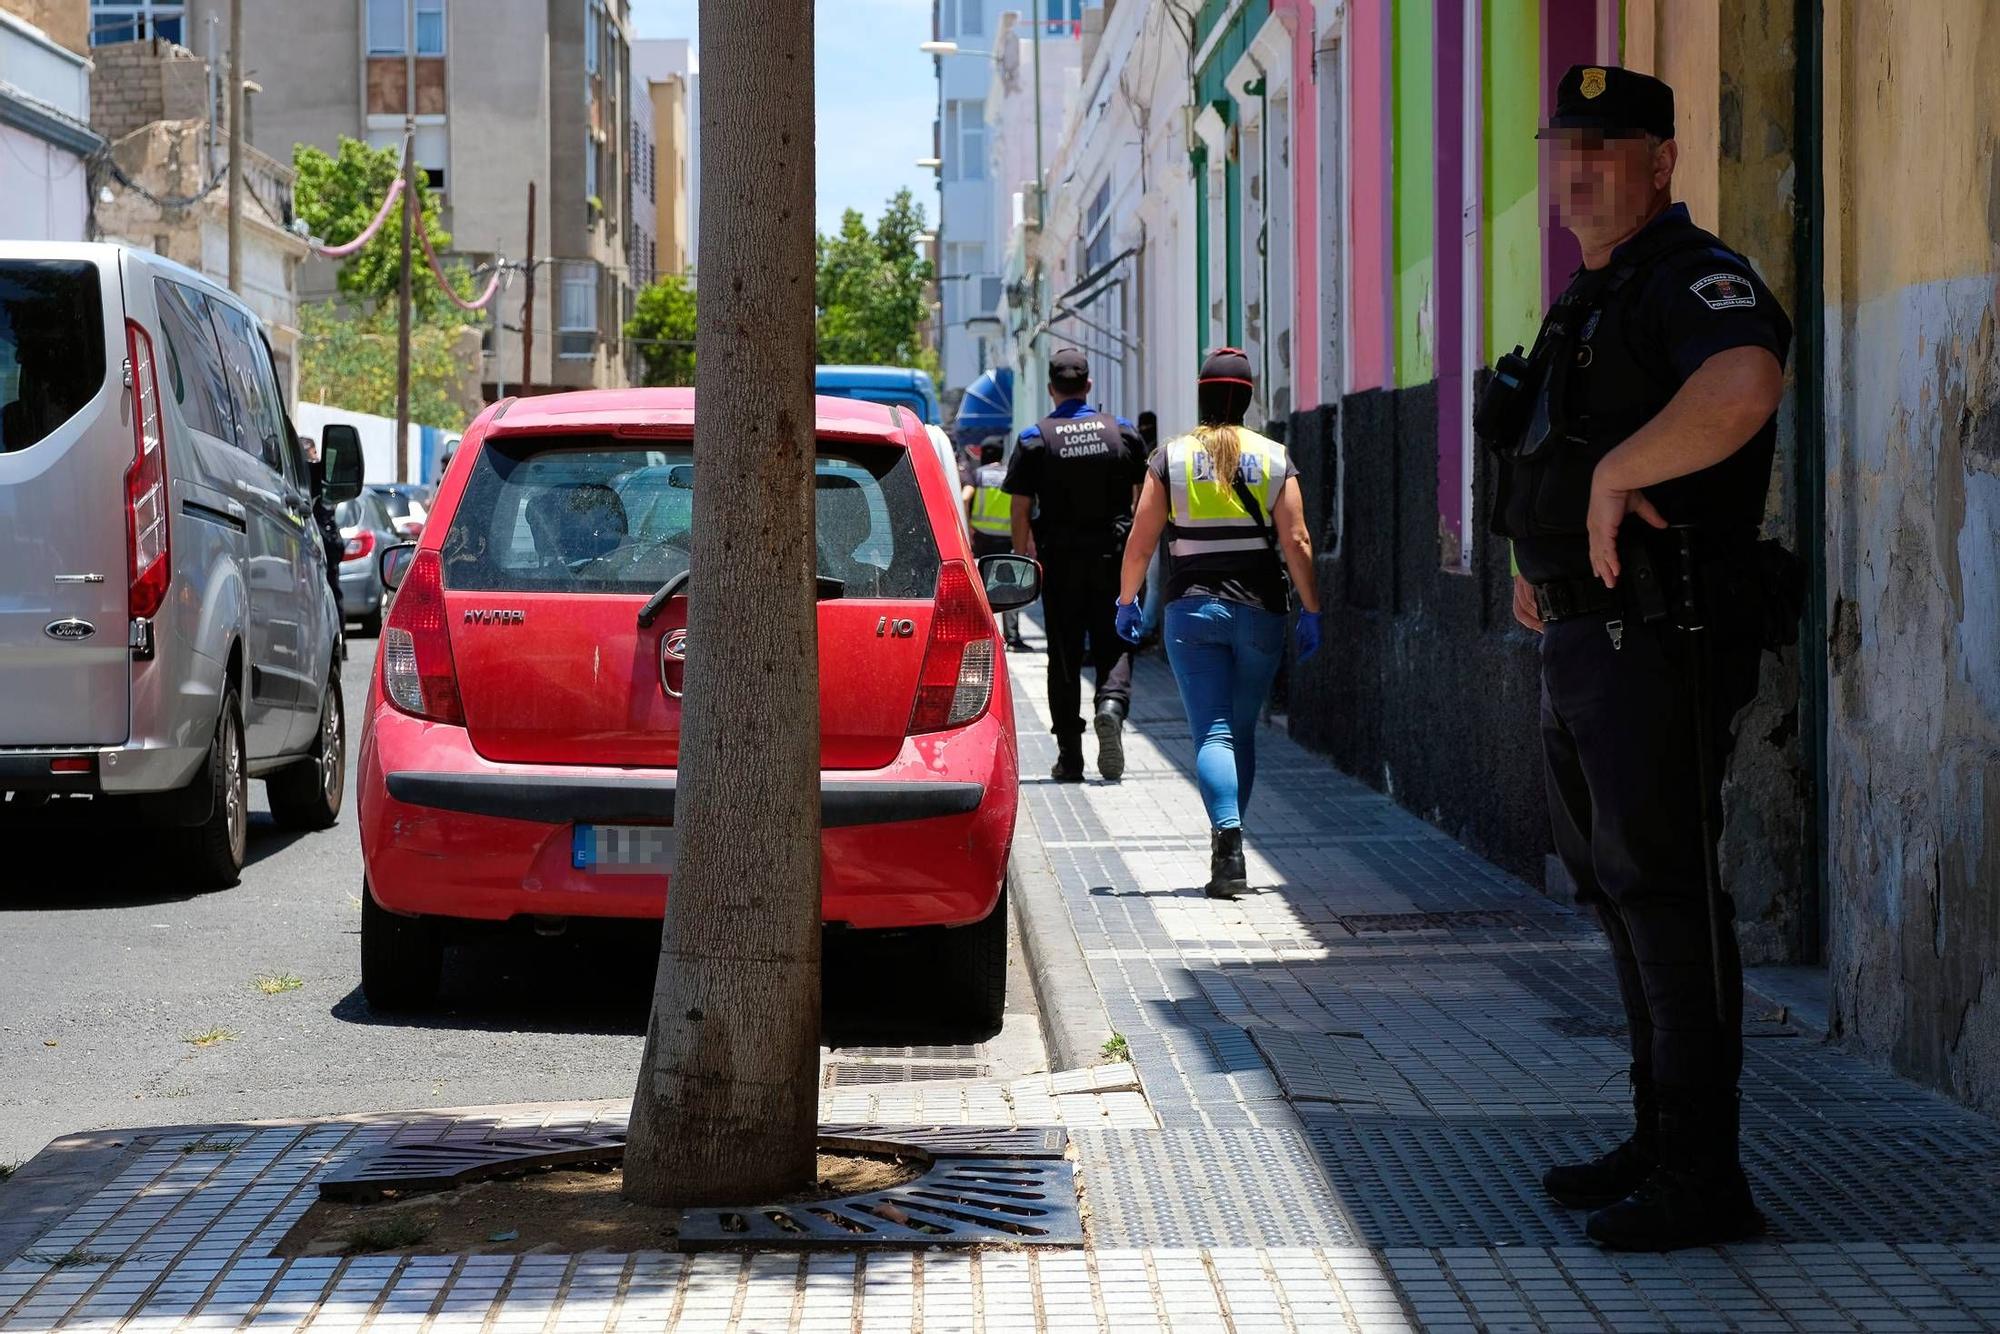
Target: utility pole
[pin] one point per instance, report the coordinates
(528, 302)
(403, 304)
(236, 146)
(1041, 202)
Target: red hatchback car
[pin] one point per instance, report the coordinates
(519, 746)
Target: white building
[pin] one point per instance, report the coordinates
(657, 60)
(45, 136)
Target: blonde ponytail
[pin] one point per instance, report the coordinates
(1223, 447)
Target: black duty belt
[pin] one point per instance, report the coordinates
(1566, 599)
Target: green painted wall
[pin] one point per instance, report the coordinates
(1414, 167)
(1211, 89)
(1512, 35)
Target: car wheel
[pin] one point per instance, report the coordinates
(402, 958)
(971, 974)
(307, 795)
(213, 851)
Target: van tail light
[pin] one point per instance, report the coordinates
(147, 538)
(956, 683)
(417, 672)
(359, 546)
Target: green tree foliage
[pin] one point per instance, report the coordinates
(349, 361)
(662, 327)
(336, 195)
(870, 289)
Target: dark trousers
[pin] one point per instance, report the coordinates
(1080, 603)
(992, 544)
(1618, 741)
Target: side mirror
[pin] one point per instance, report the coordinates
(340, 461)
(1011, 581)
(394, 563)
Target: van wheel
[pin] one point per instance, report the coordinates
(307, 795)
(971, 972)
(402, 958)
(213, 852)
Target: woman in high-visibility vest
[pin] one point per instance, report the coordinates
(1227, 500)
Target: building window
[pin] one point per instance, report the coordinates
(430, 27)
(576, 312)
(971, 22)
(387, 27)
(1097, 229)
(135, 20)
(589, 167)
(590, 38)
(965, 139)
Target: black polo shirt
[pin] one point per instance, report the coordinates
(1079, 466)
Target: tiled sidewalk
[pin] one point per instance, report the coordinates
(1351, 1079)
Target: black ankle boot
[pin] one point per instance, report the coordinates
(1110, 726)
(1226, 876)
(1069, 761)
(1615, 1173)
(1698, 1196)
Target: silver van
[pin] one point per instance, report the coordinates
(167, 627)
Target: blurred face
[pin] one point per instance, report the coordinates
(1606, 185)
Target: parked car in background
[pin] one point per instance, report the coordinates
(369, 529)
(519, 749)
(407, 504)
(167, 628)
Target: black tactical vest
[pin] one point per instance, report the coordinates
(1085, 501)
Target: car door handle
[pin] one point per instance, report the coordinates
(237, 512)
(256, 492)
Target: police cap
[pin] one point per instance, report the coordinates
(1069, 369)
(1611, 100)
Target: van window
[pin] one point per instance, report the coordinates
(193, 371)
(260, 413)
(596, 517)
(51, 346)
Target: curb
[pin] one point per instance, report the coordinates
(1075, 1025)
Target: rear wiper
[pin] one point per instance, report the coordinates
(825, 588)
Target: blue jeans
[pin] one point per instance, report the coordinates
(1224, 656)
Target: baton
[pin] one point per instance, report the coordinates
(1704, 752)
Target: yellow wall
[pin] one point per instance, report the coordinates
(1677, 41)
(670, 196)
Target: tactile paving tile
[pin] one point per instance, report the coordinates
(1335, 1068)
(1207, 1187)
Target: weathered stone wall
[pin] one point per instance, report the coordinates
(1912, 123)
(137, 83)
(68, 21)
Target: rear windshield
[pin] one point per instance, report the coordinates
(395, 502)
(590, 517)
(51, 346)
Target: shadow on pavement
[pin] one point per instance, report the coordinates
(81, 862)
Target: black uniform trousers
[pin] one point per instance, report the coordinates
(1080, 605)
(1620, 766)
(993, 544)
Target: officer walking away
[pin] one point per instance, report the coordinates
(1227, 499)
(1636, 441)
(1073, 479)
(989, 509)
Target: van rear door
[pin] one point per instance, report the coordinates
(65, 443)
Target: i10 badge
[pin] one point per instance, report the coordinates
(69, 630)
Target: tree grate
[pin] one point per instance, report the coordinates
(847, 1074)
(450, 1163)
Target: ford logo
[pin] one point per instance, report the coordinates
(69, 630)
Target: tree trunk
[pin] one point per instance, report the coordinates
(726, 1109)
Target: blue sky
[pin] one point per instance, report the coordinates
(877, 96)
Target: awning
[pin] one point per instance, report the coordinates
(987, 408)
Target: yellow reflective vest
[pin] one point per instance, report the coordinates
(1204, 514)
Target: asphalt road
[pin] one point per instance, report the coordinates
(110, 972)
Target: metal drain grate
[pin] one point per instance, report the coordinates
(1463, 919)
(959, 1202)
(445, 1164)
(847, 1074)
(962, 1141)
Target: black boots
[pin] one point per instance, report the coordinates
(1698, 1195)
(1616, 1173)
(1069, 760)
(1110, 725)
(1226, 876)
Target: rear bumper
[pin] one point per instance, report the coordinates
(448, 833)
(115, 771)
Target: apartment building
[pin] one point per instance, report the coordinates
(504, 94)
(45, 138)
(670, 71)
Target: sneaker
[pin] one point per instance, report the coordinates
(1110, 725)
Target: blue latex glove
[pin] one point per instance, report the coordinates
(1128, 621)
(1306, 635)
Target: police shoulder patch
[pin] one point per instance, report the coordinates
(1725, 291)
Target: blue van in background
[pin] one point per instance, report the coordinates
(894, 386)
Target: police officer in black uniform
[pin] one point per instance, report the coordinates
(1636, 443)
(1074, 476)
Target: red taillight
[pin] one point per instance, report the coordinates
(413, 528)
(956, 682)
(358, 546)
(75, 764)
(417, 672)
(147, 538)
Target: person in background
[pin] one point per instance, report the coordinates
(989, 510)
(1227, 500)
(1154, 603)
(1072, 479)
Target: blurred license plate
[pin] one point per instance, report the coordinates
(623, 849)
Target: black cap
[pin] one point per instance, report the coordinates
(1069, 368)
(1226, 365)
(1609, 99)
